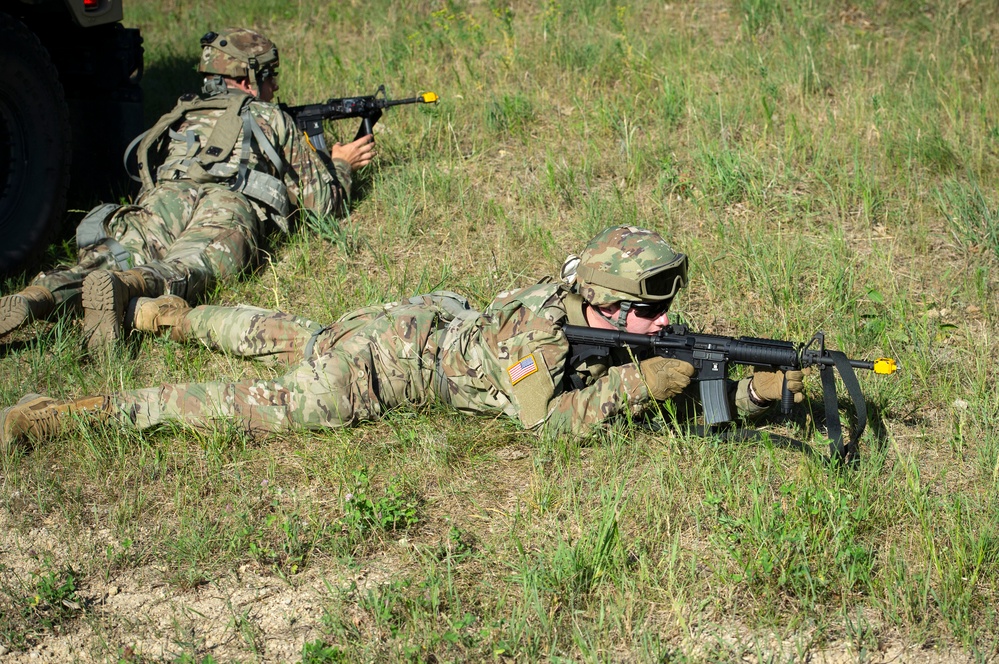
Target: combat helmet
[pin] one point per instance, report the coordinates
(238, 53)
(629, 265)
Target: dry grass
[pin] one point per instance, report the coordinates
(826, 165)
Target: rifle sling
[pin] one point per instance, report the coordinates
(835, 431)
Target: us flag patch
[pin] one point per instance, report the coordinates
(522, 369)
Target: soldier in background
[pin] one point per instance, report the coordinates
(511, 358)
(218, 173)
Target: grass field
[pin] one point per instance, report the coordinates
(826, 164)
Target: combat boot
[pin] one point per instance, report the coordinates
(33, 303)
(39, 418)
(106, 294)
(153, 315)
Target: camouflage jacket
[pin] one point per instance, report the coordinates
(514, 359)
(310, 184)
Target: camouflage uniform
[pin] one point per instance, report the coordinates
(185, 233)
(190, 233)
(511, 359)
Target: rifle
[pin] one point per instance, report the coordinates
(309, 117)
(711, 354)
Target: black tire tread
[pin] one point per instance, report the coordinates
(17, 41)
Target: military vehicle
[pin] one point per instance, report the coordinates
(70, 102)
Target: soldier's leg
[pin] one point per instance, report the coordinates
(220, 241)
(141, 235)
(148, 229)
(270, 336)
(56, 291)
(332, 390)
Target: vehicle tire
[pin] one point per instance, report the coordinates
(35, 148)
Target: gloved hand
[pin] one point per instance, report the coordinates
(767, 385)
(666, 377)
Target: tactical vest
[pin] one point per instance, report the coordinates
(210, 164)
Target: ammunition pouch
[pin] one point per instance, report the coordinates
(93, 231)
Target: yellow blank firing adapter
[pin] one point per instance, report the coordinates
(884, 366)
(430, 97)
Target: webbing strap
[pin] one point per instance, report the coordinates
(836, 447)
(223, 137)
(310, 345)
(456, 306)
(264, 144)
(92, 231)
(190, 138)
(128, 153)
(122, 256)
(834, 430)
(244, 151)
(457, 310)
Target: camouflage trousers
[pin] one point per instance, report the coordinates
(366, 363)
(188, 236)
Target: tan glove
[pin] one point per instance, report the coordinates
(665, 376)
(767, 385)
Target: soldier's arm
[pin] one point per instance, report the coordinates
(532, 377)
(315, 182)
(581, 411)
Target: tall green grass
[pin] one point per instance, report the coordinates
(827, 166)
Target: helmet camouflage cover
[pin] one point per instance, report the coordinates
(629, 264)
(237, 53)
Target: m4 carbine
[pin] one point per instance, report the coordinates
(711, 355)
(309, 118)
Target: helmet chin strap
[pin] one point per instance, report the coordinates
(621, 320)
(622, 315)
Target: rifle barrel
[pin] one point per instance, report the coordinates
(746, 350)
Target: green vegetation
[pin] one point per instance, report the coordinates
(826, 165)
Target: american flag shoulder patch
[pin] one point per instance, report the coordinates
(524, 368)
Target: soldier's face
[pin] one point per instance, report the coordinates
(633, 323)
(267, 88)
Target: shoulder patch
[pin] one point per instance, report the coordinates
(522, 369)
(533, 389)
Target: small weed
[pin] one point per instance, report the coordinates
(510, 114)
(188, 658)
(392, 511)
(804, 542)
(318, 652)
(44, 602)
(973, 219)
(344, 236)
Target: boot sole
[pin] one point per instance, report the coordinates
(14, 312)
(103, 309)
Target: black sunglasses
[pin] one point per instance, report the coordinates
(650, 310)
